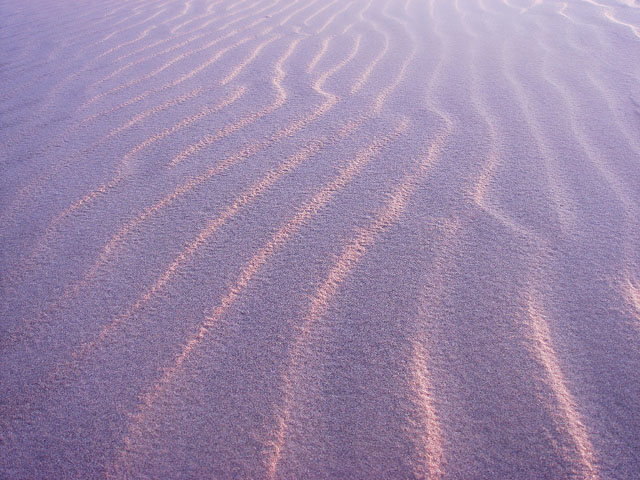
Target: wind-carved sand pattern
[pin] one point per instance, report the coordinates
(175, 82)
(569, 418)
(320, 239)
(242, 200)
(247, 152)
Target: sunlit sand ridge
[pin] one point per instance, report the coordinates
(111, 246)
(320, 239)
(569, 417)
(174, 82)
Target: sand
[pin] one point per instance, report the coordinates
(309, 239)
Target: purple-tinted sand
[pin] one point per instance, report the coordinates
(320, 239)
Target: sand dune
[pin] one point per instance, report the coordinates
(300, 239)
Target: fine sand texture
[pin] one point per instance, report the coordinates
(320, 239)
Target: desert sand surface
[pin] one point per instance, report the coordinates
(320, 239)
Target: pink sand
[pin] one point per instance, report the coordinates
(308, 239)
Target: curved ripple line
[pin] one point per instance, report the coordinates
(566, 414)
(323, 49)
(182, 56)
(209, 11)
(325, 43)
(357, 247)
(29, 190)
(319, 11)
(78, 73)
(73, 44)
(121, 172)
(191, 39)
(334, 16)
(237, 70)
(626, 200)
(163, 67)
(131, 101)
(121, 168)
(139, 97)
(279, 239)
(280, 100)
(117, 239)
(432, 456)
(123, 30)
(364, 77)
(247, 274)
(184, 77)
(341, 269)
(242, 200)
(609, 14)
(142, 35)
(564, 206)
(247, 152)
(190, 74)
(480, 190)
(209, 139)
(568, 417)
(169, 49)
